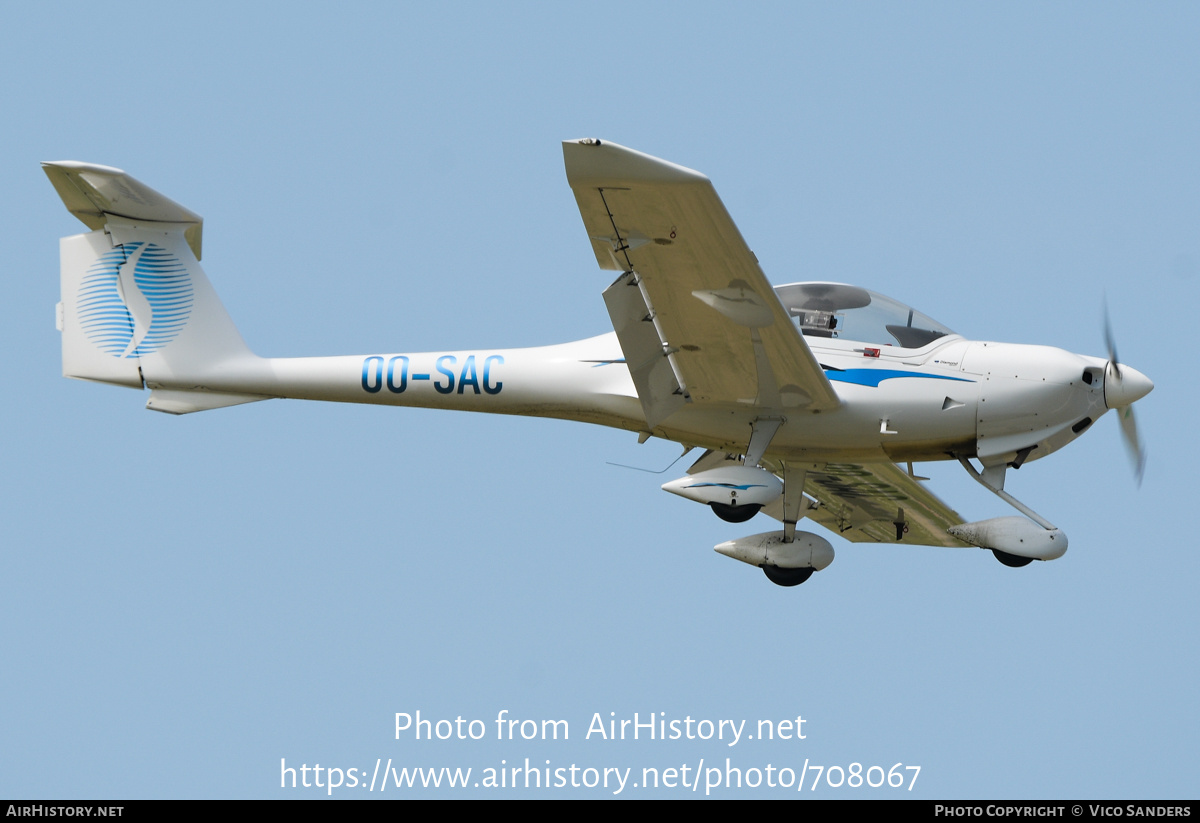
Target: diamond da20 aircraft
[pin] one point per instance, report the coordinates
(806, 397)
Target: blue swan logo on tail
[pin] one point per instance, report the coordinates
(135, 299)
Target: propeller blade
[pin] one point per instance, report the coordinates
(1133, 444)
(1122, 388)
(1109, 342)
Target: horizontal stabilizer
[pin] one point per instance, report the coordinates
(92, 193)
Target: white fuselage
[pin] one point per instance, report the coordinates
(951, 397)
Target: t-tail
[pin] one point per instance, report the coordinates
(136, 307)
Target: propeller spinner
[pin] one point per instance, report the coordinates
(1123, 386)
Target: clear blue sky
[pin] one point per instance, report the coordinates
(187, 601)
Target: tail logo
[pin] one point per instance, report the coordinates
(134, 300)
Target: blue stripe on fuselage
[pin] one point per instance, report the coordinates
(873, 377)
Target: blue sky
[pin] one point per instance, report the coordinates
(189, 601)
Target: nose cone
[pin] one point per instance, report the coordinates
(1124, 385)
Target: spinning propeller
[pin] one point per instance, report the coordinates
(1124, 385)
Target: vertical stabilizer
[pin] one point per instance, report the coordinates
(136, 306)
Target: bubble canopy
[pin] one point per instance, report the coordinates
(836, 310)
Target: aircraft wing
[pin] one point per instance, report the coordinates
(696, 318)
(867, 503)
(863, 502)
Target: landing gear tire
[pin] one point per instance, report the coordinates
(1013, 561)
(786, 577)
(734, 514)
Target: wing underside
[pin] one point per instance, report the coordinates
(697, 319)
(878, 503)
(862, 502)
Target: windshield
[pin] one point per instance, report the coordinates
(850, 313)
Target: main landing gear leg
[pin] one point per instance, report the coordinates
(762, 430)
(793, 499)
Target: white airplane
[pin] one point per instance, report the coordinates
(806, 397)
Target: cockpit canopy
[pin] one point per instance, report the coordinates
(851, 313)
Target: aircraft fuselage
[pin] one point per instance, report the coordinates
(952, 397)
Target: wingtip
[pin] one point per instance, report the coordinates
(620, 165)
(77, 165)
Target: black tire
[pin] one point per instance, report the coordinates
(786, 577)
(734, 514)
(1013, 561)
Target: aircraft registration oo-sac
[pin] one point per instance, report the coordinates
(807, 397)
